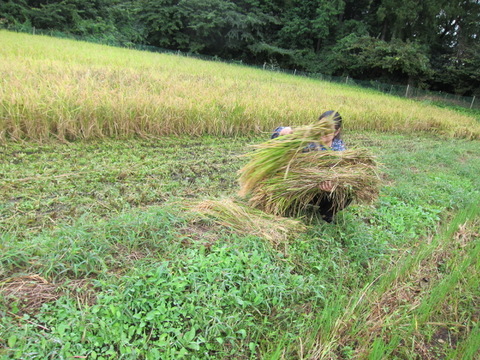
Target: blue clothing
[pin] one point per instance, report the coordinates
(337, 144)
(276, 132)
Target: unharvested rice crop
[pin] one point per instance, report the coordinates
(282, 178)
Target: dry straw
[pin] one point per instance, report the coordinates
(246, 220)
(275, 154)
(283, 179)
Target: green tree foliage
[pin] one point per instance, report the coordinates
(462, 72)
(97, 20)
(13, 13)
(216, 26)
(455, 53)
(309, 24)
(370, 58)
(129, 30)
(213, 27)
(163, 23)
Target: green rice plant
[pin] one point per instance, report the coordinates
(293, 190)
(246, 220)
(284, 179)
(276, 154)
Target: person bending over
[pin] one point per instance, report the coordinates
(334, 142)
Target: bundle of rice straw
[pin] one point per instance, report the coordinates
(284, 180)
(245, 220)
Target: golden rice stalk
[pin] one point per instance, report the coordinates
(296, 186)
(274, 154)
(244, 219)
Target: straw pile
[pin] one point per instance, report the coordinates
(282, 179)
(246, 220)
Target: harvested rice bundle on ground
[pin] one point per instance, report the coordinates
(244, 219)
(284, 179)
(295, 187)
(274, 154)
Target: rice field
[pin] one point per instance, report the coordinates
(68, 90)
(122, 235)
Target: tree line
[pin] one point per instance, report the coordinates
(434, 44)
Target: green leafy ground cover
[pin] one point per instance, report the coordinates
(101, 259)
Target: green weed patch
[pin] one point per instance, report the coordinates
(100, 258)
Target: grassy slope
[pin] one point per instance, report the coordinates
(101, 258)
(98, 226)
(72, 90)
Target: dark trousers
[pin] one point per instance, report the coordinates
(326, 208)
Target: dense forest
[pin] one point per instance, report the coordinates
(434, 44)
